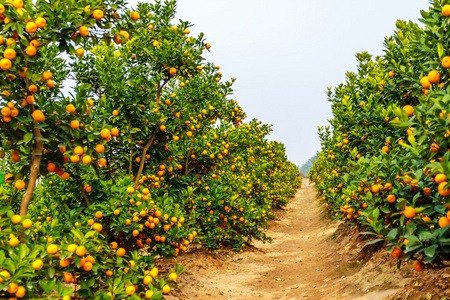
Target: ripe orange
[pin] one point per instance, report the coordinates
(31, 50)
(425, 82)
(9, 54)
(135, 15)
(51, 167)
(105, 133)
(130, 290)
(40, 22)
(115, 112)
(102, 161)
(67, 277)
(79, 52)
(81, 250)
(14, 242)
(78, 150)
(374, 188)
(72, 248)
(19, 184)
(31, 27)
(444, 221)
(50, 84)
(21, 291)
(74, 124)
(27, 223)
(114, 132)
(52, 249)
(446, 10)
(162, 127)
(13, 287)
(391, 198)
(173, 277)
(38, 264)
(98, 14)
(130, 190)
(70, 107)
(38, 116)
(64, 263)
(86, 159)
(408, 109)
(410, 212)
(83, 30)
(441, 189)
(166, 289)
(32, 88)
(434, 76)
(207, 46)
(87, 266)
(5, 64)
(446, 62)
(74, 158)
(98, 227)
(440, 178)
(396, 252)
(121, 252)
(418, 266)
(173, 71)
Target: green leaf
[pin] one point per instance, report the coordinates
(27, 137)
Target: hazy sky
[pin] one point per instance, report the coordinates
(285, 53)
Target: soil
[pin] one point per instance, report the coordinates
(311, 257)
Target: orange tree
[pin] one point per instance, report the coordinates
(384, 163)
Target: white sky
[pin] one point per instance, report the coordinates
(285, 53)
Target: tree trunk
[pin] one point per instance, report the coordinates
(34, 173)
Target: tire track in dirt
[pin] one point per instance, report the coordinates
(300, 263)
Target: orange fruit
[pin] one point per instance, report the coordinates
(21, 291)
(162, 127)
(86, 159)
(72, 248)
(38, 115)
(35, 43)
(207, 46)
(105, 133)
(13, 287)
(14, 242)
(418, 266)
(81, 251)
(443, 222)
(114, 245)
(40, 22)
(121, 252)
(173, 71)
(98, 227)
(115, 112)
(130, 190)
(79, 52)
(5, 64)
(51, 167)
(9, 54)
(27, 223)
(396, 252)
(83, 30)
(31, 50)
(52, 249)
(47, 75)
(87, 266)
(5, 274)
(74, 158)
(434, 76)
(410, 212)
(408, 109)
(31, 27)
(153, 272)
(98, 14)
(50, 84)
(441, 189)
(32, 88)
(446, 62)
(74, 124)
(19, 184)
(149, 294)
(173, 277)
(130, 290)
(374, 188)
(38, 264)
(425, 82)
(64, 263)
(114, 132)
(67, 277)
(391, 198)
(102, 161)
(78, 150)
(446, 10)
(166, 289)
(70, 107)
(65, 176)
(135, 15)
(440, 178)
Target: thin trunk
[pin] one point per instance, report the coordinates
(80, 184)
(131, 148)
(142, 163)
(34, 172)
(187, 156)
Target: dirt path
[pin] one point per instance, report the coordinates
(303, 262)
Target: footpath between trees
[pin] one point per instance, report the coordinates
(311, 257)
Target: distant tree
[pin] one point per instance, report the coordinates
(304, 169)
